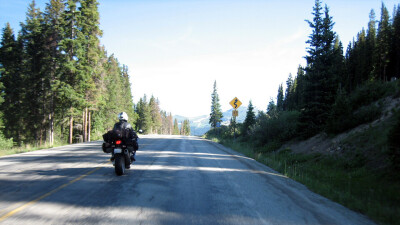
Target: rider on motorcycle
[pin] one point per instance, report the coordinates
(131, 140)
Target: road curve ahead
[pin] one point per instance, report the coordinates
(175, 180)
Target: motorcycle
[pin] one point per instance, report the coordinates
(122, 157)
(121, 153)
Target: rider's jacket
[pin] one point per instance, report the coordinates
(127, 126)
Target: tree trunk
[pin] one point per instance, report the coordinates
(84, 125)
(51, 128)
(41, 137)
(54, 68)
(43, 130)
(52, 123)
(89, 123)
(71, 128)
(62, 124)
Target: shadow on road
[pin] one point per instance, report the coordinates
(176, 180)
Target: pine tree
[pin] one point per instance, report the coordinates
(299, 88)
(338, 67)
(163, 127)
(280, 98)
(396, 43)
(176, 127)
(250, 119)
(71, 47)
(89, 54)
(127, 94)
(321, 80)
(188, 128)
(114, 95)
(181, 129)
(383, 45)
(371, 44)
(185, 128)
(272, 109)
(170, 124)
(32, 35)
(144, 112)
(288, 103)
(53, 29)
(167, 123)
(216, 112)
(12, 90)
(155, 115)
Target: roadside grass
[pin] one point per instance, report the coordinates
(343, 179)
(27, 148)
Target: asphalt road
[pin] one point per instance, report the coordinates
(175, 180)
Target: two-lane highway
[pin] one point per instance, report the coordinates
(175, 180)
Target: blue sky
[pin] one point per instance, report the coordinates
(176, 49)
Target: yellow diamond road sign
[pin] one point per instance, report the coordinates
(235, 103)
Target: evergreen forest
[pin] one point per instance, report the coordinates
(58, 83)
(152, 120)
(330, 93)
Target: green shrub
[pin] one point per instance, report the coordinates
(371, 92)
(344, 122)
(394, 144)
(222, 132)
(5, 143)
(271, 146)
(349, 111)
(275, 130)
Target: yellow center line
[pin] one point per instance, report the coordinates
(16, 210)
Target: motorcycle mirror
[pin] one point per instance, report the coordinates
(140, 131)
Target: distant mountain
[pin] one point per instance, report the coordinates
(199, 125)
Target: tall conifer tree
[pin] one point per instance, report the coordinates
(280, 98)
(321, 80)
(155, 115)
(216, 112)
(144, 112)
(10, 87)
(396, 43)
(371, 44)
(272, 110)
(250, 119)
(299, 90)
(54, 33)
(32, 34)
(170, 124)
(11, 56)
(383, 45)
(288, 101)
(176, 127)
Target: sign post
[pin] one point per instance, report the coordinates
(235, 103)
